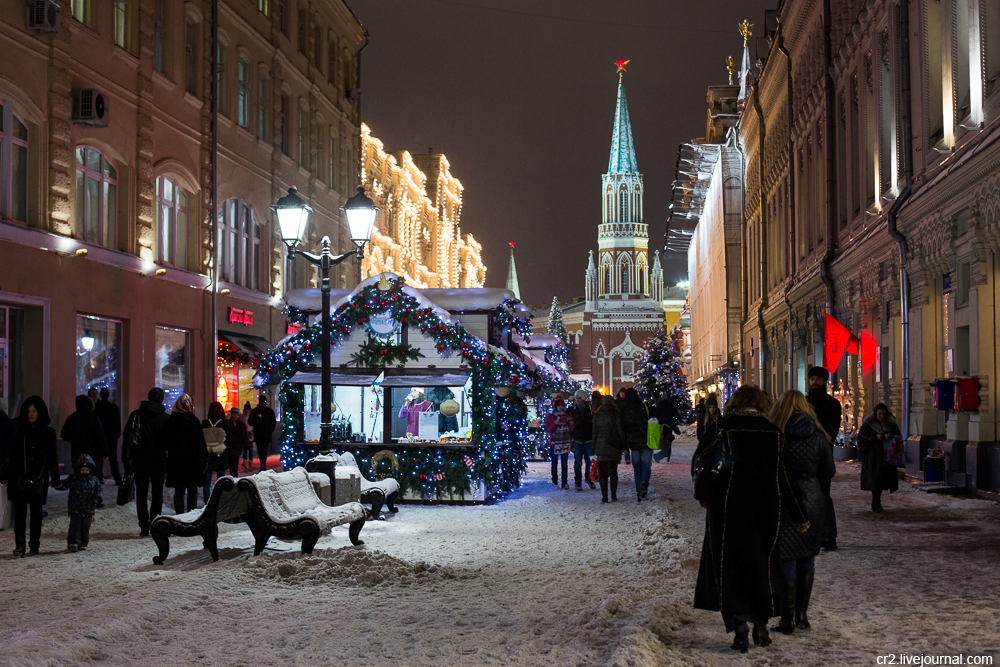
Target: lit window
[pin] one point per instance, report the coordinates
(243, 94)
(123, 25)
(239, 244)
(81, 11)
(171, 222)
(96, 197)
(264, 7)
(13, 165)
(170, 350)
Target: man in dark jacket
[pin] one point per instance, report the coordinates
(145, 456)
(263, 423)
(829, 413)
(84, 432)
(111, 420)
(581, 438)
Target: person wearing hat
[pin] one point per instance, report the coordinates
(582, 437)
(708, 417)
(559, 426)
(829, 413)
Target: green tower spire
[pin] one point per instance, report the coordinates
(622, 149)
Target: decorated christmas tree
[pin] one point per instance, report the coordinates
(559, 355)
(658, 369)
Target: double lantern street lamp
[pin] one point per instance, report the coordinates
(293, 214)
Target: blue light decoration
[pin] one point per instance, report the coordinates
(496, 462)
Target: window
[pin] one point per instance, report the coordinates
(622, 206)
(317, 167)
(189, 60)
(158, 58)
(242, 94)
(303, 136)
(286, 137)
(333, 159)
(628, 369)
(303, 26)
(171, 223)
(318, 45)
(170, 363)
(98, 355)
(239, 244)
(331, 62)
(887, 113)
(13, 165)
(641, 278)
(264, 7)
(263, 116)
(625, 280)
(123, 25)
(81, 11)
(283, 16)
(221, 92)
(96, 197)
(607, 280)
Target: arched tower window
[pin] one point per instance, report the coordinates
(623, 206)
(625, 279)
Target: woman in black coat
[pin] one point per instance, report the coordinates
(876, 475)
(32, 454)
(809, 463)
(741, 481)
(186, 454)
(635, 423)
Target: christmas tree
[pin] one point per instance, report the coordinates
(559, 355)
(658, 369)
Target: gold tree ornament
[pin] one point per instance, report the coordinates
(746, 30)
(731, 68)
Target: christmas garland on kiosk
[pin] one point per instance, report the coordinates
(497, 463)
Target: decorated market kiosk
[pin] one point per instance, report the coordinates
(427, 386)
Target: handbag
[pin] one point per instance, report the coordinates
(126, 492)
(710, 467)
(594, 474)
(894, 454)
(33, 485)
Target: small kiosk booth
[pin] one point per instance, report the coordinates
(421, 386)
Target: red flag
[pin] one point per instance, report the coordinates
(869, 348)
(837, 340)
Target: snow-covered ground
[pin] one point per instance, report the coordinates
(546, 577)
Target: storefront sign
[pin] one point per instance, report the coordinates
(240, 316)
(293, 328)
(383, 324)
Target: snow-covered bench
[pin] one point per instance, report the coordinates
(376, 493)
(227, 503)
(285, 505)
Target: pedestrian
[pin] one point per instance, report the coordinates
(187, 454)
(559, 426)
(84, 432)
(8, 429)
(144, 454)
(215, 426)
(581, 437)
(238, 442)
(829, 413)
(609, 442)
(248, 448)
(809, 464)
(84, 496)
(263, 423)
(708, 417)
(111, 419)
(876, 475)
(596, 400)
(31, 468)
(666, 414)
(635, 422)
(740, 480)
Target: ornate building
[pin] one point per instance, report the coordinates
(623, 304)
(417, 233)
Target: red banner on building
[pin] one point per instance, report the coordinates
(837, 340)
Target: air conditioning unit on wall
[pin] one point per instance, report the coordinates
(90, 108)
(43, 16)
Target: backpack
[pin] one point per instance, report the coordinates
(215, 439)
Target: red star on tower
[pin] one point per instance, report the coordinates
(511, 245)
(621, 65)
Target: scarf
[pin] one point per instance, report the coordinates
(884, 428)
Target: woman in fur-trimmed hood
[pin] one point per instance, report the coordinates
(740, 573)
(876, 476)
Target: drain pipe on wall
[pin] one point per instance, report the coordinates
(831, 166)
(763, 233)
(897, 236)
(791, 207)
(743, 253)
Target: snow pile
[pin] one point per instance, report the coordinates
(349, 567)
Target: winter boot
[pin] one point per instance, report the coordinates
(805, 587)
(645, 489)
(760, 636)
(787, 622)
(741, 642)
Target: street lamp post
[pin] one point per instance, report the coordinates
(293, 214)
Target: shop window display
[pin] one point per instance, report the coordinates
(171, 363)
(98, 356)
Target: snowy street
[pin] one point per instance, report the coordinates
(546, 577)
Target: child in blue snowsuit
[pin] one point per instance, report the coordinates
(84, 495)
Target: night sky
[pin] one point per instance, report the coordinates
(520, 95)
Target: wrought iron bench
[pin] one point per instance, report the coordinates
(227, 503)
(374, 493)
(285, 505)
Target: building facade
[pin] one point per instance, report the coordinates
(108, 237)
(624, 289)
(418, 232)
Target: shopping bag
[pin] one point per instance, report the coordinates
(126, 492)
(654, 435)
(6, 509)
(894, 453)
(594, 475)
